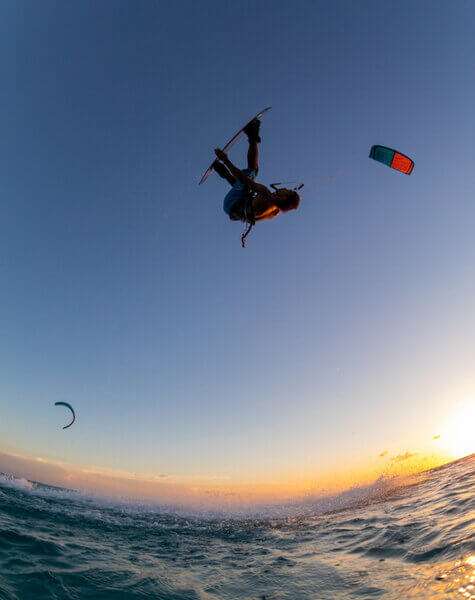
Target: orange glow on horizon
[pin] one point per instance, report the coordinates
(213, 490)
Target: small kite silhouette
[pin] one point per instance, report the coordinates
(70, 408)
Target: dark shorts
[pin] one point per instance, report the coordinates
(237, 200)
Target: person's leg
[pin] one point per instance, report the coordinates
(253, 156)
(223, 172)
(252, 132)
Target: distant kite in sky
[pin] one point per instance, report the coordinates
(70, 408)
(392, 158)
(436, 437)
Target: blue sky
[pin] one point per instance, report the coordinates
(342, 329)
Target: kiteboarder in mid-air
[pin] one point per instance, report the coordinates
(247, 200)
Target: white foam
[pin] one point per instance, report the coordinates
(16, 483)
(105, 507)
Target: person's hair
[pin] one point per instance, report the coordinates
(288, 201)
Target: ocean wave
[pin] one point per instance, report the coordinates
(85, 500)
(9, 481)
(395, 539)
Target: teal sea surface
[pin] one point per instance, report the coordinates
(406, 541)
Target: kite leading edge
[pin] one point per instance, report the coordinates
(70, 408)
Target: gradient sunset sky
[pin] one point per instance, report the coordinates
(337, 346)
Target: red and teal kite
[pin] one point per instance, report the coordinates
(392, 158)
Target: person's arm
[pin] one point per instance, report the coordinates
(263, 208)
(270, 215)
(249, 183)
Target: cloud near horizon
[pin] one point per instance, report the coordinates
(200, 491)
(401, 457)
(197, 491)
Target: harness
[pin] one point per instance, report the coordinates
(295, 189)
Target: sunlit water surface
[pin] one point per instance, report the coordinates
(399, 542)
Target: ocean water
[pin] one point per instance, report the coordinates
(396, 540)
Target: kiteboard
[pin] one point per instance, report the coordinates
(232, 141)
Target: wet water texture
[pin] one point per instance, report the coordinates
(413, 542)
